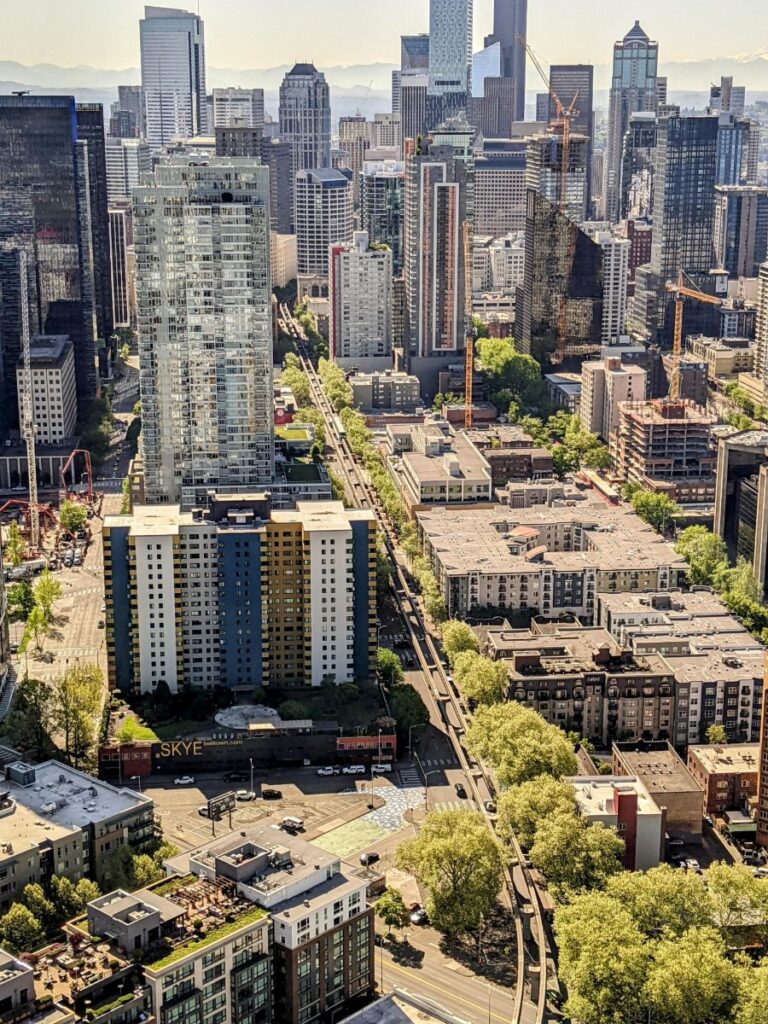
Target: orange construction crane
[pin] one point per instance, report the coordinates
(682, 291)
(560, 123)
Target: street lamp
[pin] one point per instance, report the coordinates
(432, 771)
(251, 760)
(136, 778)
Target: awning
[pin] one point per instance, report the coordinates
(742, 827)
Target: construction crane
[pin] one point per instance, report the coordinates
(560, 123)
(27, 418)
(469, 349)
(682, 291)
(88, 472)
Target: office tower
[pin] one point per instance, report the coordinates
(90, 129)
(573, 84)
(750, 173)
(500, 187)
(542, 107)
(741, 229)
(126, 160)
(54, 396)
(384, 132)
(560, 310)
(732, 149)
(741, 499)
(323, 210)
(761, 329)
(727, 97)
(413, 106)
(510, 19)
(596, 176)
(277, 156)
(173, 75)
(238, 140)
(637, 163)
(238, 107)
(683, 220)
(615, 276)
(544, 162)
(633, 88)
(486, 63)
(438, 182)
(205, 327)
(382, 207)
(127, 115)
(604, 384)
(450, 59)
(360, 301)
(122, 264)
(305, 117)
(497, 108)
(414, 52)
(354, 140)
(45, 211)
(289, 596)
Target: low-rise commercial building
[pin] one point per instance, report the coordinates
(544, 560)
(240, 595)
(725, 357)
(55, 820)
(624, 804)
(391, 390)
(667, 781)
(442, 468)
(727, 774)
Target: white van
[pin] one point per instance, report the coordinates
(354, 769)
(291, 824)
(380, 769)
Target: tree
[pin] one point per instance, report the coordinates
(522, 808)
(137, 408)
(691, 980)
(65, 897)
(33, 897)
(704, 552)
(293, 710)
(564, 461)
(662, 901)
(388, 667)
(457, 637)
(739, 901)
(16, 547)
(603, 960)
(458, 860)
(739, 582)
(391, 908)
(37, 625)
(145, 871)
(72, 516)
(480, 679)
(116, 869)
(753, 998)
(717, 734)
(597, 458)
(575, 855)
(125, 352)
(407, 707)
(31, 719)
(658, 510)
(20, 931)
(298, 382)
(47, 591)
(519, 744)
(21, 600)
(77, 697)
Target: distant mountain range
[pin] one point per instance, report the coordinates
(367, 86)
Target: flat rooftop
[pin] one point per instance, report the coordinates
(659, 768)
(62, 800)
(660, 412)
(727, 760)
(596, 794)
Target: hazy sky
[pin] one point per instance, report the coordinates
(265, 33)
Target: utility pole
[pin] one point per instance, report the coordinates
(28, 421)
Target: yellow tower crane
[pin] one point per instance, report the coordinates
(682, 291)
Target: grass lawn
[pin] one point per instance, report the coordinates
(132, 729)
(351, 838)
(181, 727)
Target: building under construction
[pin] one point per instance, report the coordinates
(667, 447)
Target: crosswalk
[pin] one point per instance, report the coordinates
(451, 805)
(440, 763)
(409, 777)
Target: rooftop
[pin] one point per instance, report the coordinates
(596, 795)
(726, 760)
(662, 412)
(657, 766)
(48, 350)
(60, 800)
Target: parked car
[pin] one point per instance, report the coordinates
(354, 769)
(490, 806)
(184, 780)
(692, 864)
(674, 844)
(232, 776)
(244, 794)
(203, 811)
(368, 858)
(328, 770)
(271, 794)
(419, 916)
(100, 624)
(381, 769)
(460, 791)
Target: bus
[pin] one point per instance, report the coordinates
(338, 426)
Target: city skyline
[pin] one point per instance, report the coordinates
(371, 32)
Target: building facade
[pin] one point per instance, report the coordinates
(510, 23)
(126, 160)
(604, 385)
(381, 207)
(305, 117)
(240, 596)
(323, 216)
(360, 300)
(172, 75)
(54, 393)
(573, 84)
(500, 171)
(450, 59)
(233, 107)
(205, 327)
(741, 229)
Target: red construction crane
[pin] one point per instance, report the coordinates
(88, 471)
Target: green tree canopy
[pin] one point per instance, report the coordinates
(691, 980)
(32, 717)
(717, 734)
(658, 510)
(76, 702)
(335, 384)
(34, 898)
(407, 707)
(391, 908)
(72, 516)
(479, 678)
(16, 547)
(739, 901)
(754, 995)
(294, 378)
(662, 901)
(458, 860)
(739, 582)
(574, 855)
(21, 599)
(457, 637)
(47, 590)
(388, 667)
(523, 808)
(519, 744)
(704, 552)
(21, 932)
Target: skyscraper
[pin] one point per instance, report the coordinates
(633, 88)
(683, 218)
(90, 129)
(323, 209)
(354, 140)
(573, 83)
(544, 172)
(414, 52)
(172, 74)
(127, 115)
(205, 327)
(413, 105)
(45, 210)
(381, 207)
(360, 301)
(741, 229)
(450, 59)
(238, 107)
(510, 28)
(305, 117)
(126, 160)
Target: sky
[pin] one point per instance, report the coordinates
(246, 34)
